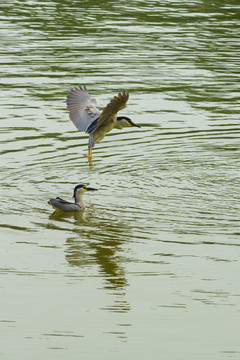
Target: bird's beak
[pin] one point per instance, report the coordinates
(136, 125)
(90, 189)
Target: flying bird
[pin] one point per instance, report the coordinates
(78, 205)
(85, 115)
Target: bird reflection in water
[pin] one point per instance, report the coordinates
(98, 241)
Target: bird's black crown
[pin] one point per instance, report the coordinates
(77, 187)
(124, 118)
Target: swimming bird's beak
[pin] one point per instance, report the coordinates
(136, 125)
(90, 189)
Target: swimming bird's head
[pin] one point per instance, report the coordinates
(123, 121)
(80, 189)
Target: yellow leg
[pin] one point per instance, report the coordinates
(89, 157)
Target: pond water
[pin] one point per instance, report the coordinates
(151, 268)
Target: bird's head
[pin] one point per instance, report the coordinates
(81, 189)
(123, 121)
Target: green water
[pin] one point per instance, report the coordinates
(150, 270)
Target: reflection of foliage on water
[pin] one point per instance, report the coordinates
(98, 241)
(102, 247)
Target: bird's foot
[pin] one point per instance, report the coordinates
(89, 157)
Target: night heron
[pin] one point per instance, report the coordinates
(87, 117)
(60, 204)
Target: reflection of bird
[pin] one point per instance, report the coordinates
(87, 117)
(60, 204)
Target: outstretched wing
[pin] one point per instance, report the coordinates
(82, 108)
(116, 104)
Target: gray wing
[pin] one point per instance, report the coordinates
(82, 108)
(64, 205)
(62, 200)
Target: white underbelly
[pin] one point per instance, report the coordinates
(102, 131)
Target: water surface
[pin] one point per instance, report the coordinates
(151, 267)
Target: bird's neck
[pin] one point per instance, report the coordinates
(118, 124)
(79, 200)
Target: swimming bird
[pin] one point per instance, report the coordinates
(85, 115)
(60, 204)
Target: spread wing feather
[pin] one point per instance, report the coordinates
(116, 104)
(82, 108)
